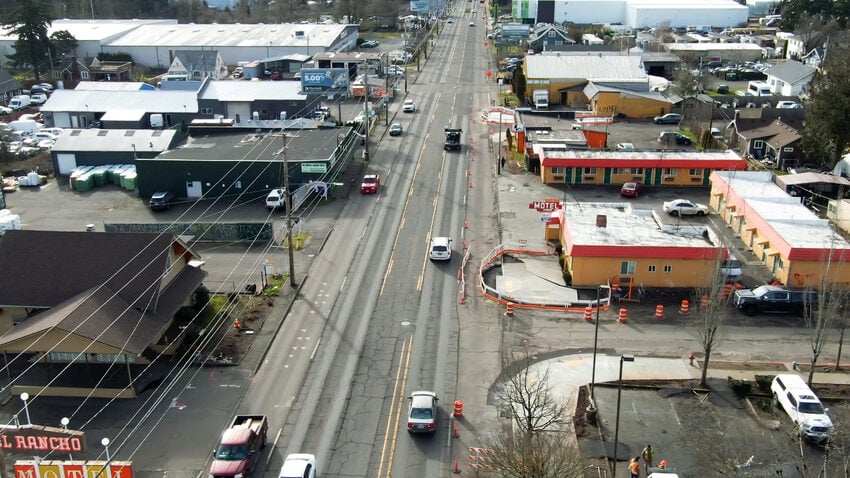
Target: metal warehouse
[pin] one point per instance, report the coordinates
(635, 13)
(246, 165)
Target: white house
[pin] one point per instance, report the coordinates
(791, 78)
(198, 64)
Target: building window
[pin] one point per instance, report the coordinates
(206, 111)
(780, 264)
(669, 171)
(617, 170)
(636, 170)
(84, 75)
(788, 149)
(668, 269)
(552, 34)
(758, 144)
(695, 172)
(652, 268)
(627, 267)
(557, 170)
(589, 171)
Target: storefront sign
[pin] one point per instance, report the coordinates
(42, 439)
(73, 469)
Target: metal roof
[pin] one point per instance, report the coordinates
(792, 72)
(118, 140)
(230, 91)
(101, 101)
(589, 67)
(93, 30)
(304, 145)
(791, 220)
(218, 35)
(113, 86)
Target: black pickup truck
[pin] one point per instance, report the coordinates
(775, 299)
(453, 142)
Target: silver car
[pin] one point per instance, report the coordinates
(422, 414)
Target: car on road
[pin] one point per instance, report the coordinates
(668, 137)
(409, 106)
(450, 21)
(669, 118)
(370, 184)
(160, 201)
(395, 129)
(394, 70)
(630, 190)
(422, 414)
(276, 198)
(440, 249)
(472, 24)
(5, 110)
(298, 465)
(369, 44)
(683, 207)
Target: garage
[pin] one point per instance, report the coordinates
(65, 163)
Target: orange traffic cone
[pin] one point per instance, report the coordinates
(456, 469)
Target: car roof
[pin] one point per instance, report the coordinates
(436, 240)
(422, 398)
(295, 464)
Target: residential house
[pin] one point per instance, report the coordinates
(9, 86)
(198, 64)
(110, 70)
(546, 36)
(791, 78)
(105, 314)
(777, 141)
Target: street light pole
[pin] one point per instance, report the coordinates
(595, 340)
(623, 358)
(498, 105)
(105, 443)
(25, 396)
(65, 421)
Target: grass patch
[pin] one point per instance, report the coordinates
(298, 240)
(274, 284)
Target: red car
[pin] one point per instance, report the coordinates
(370, 184)
(630, 190)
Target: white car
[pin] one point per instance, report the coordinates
(46, 86)
(731, 269)
(440, 249)
(422, 414)
(46, 144)
(409, 106)
(13, 147)
(683, 207)
(792, 394)
(299, 465)
(276, 199)
(38, 98)
(5, 110)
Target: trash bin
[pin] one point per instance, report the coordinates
(590, 414)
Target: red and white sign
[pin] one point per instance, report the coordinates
(548, 205)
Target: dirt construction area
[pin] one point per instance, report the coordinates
(704, 433)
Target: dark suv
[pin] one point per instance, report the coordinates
(161, 201)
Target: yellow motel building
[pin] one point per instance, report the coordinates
(560, 165)
(801, 249)
(615, 242)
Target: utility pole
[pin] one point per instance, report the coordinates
(386, 86)
(288, 193)
(368, 119)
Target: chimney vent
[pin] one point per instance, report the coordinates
(601, 220)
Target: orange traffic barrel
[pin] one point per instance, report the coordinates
(458, 411)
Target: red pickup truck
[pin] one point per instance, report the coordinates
(239, 449)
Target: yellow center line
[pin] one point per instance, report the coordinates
(392, 424)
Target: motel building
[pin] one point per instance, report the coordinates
(798, 247)
(614, 242)
(561, 165)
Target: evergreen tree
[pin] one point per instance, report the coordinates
(829, 107)
(29, 22)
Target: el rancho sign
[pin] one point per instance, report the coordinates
(42, 439)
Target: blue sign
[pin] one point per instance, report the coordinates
(324, 78)
(420, 6)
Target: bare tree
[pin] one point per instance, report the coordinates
(685, 83)
(711, 304)
(819, 310)
(547, 454)
(527, 393)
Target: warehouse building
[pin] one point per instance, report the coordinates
(634, 13)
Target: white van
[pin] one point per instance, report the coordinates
(759, 88)
(801, 404)
(20, 102)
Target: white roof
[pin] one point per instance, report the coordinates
(218, 35)
(115, 140)
(93, 30)
(712, 46)
(798, 226)
(591, 67)
(252, 90)
(112, 85)
(626, 226)
(96, 101)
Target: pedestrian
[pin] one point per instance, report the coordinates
(634, 467)
(648, 455)
(662, 464)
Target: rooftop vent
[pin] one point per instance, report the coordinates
(601, 220)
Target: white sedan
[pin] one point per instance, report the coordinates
(683, 207)
(409, 106)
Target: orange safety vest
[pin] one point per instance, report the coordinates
(634, 467)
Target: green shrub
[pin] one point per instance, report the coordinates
(763, 382)
(568, 278)
(559, 249)
(742, 388)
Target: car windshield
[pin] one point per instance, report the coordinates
(811, 407)
(421, 413)
(369, 180)
(731, 264)
(231, 452)
(439, 248)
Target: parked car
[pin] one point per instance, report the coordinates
(630, 190)
(722, 89)
(793, 395)
(370, 184)
(46, 144)
(793, 105)
(409, 106)
(369, 44)
(669, 118)
(676, 137)
(276, 198)
(5, 110)
(394, 70)
(440, 249)
(683, 207)
(472, 24)
(422, 414)
(775, 299)
(395, 129)
(46, 86)
(731, 269)
(160, 201)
